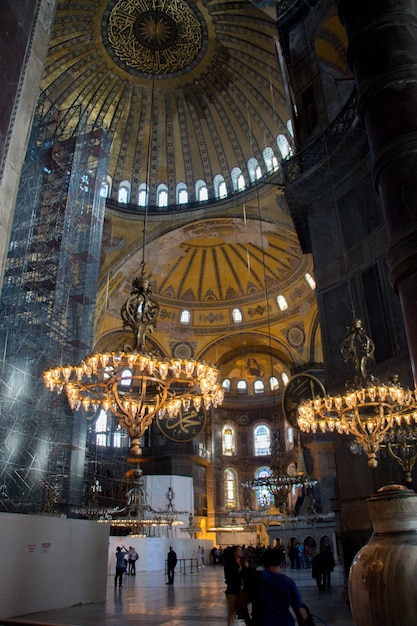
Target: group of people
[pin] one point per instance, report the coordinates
(264, 596)
(125, 563)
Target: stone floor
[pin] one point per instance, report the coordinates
(145, 600)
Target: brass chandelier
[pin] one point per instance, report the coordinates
(135, 385)
(369, 409)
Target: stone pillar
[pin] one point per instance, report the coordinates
(382, 54)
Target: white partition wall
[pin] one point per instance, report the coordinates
(51, 563)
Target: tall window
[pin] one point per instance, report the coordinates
(262, 440)
(124, 192)
(271, 161)
(258, 386)
(284, 146)
(162, 195)
(285, 378)
(226, 384)
(201, 191)
(282, 303)
(242, 386)
(143, 194)
(230, 488)
(310, 280)
(220, 188)
(228, 441)
(238, 179)
(273, 383)
(182, 193)
(185, 317)
(237, 316)
(100, 427)
(254, 170)
(263, 495)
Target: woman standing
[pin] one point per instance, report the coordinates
(233, 580)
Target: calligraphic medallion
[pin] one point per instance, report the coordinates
(158, 39)
(184, 427)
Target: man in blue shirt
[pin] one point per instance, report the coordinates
(273, 593)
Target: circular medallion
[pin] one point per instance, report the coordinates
(161, 41)
(182, 351)
(184, 427)
(301, 387)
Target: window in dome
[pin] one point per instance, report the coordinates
(271, 161)
(230, 488)
(228, 441)
(254, 170)
(201, 191)
(105, 188)
(182, 193)
(124, 192)
(273, 383)
(258, 386)
(226, 384)
(282, 303)
(143, 194)
(237, 316)
(262, 440)
(242, 386)
(185, 317)
(100, 427)
(310, 280)
(284, 146)
(162, 195)
(220, 187)
(238, 179)
(126, 378)
(290, 128)
(285, 378)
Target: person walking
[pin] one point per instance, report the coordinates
(273, 594)
(120, 565)
(233, 570)
(171, 564)
(322, 566)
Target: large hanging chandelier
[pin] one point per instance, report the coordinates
(369, 409)
(135, 385)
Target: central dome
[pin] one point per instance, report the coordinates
(158, 40)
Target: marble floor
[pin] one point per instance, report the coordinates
(145, 600)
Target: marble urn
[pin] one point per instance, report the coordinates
(383, 576)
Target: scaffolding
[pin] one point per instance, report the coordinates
(47, 311)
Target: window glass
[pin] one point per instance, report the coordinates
(162, 195)
(143, 194)
(258, 386)
(262, 440)
(228, 441)
(182, 193)
(230, 488)
(185, 317)
(124, 192)
(226, 384)
(282, 303)
(284, 146)
(242, 386)
(273, 383)
(310, 280)
(263, 494)
(237, 316)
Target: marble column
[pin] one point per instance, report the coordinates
(382, 54)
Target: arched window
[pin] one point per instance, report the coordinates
(182, 193)
(285, 378)
(237, 316)
(282, 303)
(228, 441)
(226, 384)
(271, 161)
(220, 188)
(143, 194)
(254, 170)
(124, 192)
(273, 383)
(100, 428)
(238, 179)
(289, 438)
(263, 495)
(105, 188)
(230, 488)
(262, 440)
(185, 317)
(258, 386)
(162, 195)
(126, 378)
(310, 280)
(242, 386)
(290, 128)
(201, 191)
(284, 146)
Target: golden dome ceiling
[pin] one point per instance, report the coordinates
(186, 90)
